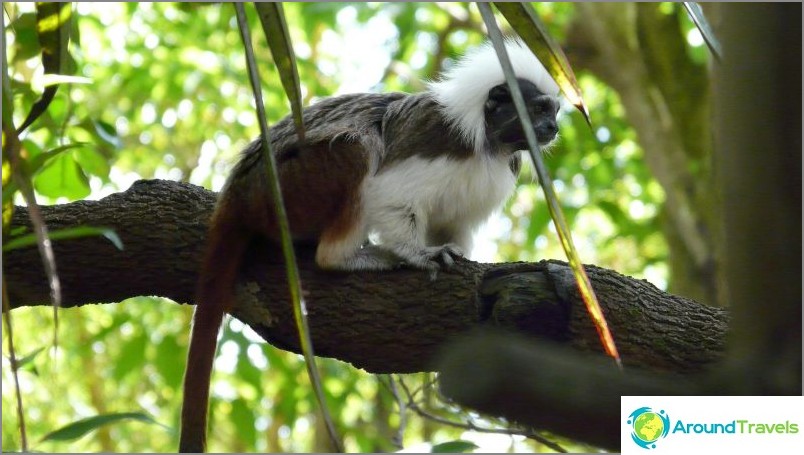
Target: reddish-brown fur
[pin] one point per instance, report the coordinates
(321, 189)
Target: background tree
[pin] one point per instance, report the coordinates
(169, 99)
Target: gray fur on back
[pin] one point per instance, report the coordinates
(356, 118)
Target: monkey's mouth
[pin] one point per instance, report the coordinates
(542, 137)
(545, 138)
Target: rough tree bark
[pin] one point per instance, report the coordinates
(382, 322)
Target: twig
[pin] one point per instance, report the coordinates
(469, 425)
(14, 369)
(398, 439)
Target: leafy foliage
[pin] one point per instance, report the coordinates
(82, 427)
(169, 98)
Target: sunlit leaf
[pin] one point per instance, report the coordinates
(92, 162)
(53, 29)
(38, 161)
(8, 195)
(107, 133)
(26, 44)
(54, 79)
(8, 212)
(82, 427)
(529, 27)
(63, 177)
(35, 163)
(8, 109)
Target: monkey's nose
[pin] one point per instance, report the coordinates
(546, 133)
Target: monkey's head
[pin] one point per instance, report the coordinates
(503, 127)
(477, 104)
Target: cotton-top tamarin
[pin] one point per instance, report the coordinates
(420, 171)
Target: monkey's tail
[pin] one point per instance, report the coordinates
(226, 245)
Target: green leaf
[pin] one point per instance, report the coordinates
(38, 161)
(272, 17)
(457, 446)
(63, 177)
(8, 126)
(80, 428)
(48, 80)
(8, 109)
(53, 28)
(107, 133)
(29, 358)
(8, 196)
(68, 233)
(92, 162)
(529, 27)
(26, 45)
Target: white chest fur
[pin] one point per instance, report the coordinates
(442, 193)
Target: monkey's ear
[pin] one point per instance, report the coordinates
(500, 93)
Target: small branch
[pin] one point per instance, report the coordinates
(469, 425)
(399, 437)
(12, 356)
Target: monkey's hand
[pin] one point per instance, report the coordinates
(431, 258)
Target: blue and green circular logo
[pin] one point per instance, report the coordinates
(648, 426)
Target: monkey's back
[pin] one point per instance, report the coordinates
(319, 176)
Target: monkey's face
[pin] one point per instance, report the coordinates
(503, 126)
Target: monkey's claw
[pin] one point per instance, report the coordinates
(434, 258)
(448, 253)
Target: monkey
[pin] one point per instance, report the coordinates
(419, 171)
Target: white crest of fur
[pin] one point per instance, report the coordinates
(463, 89)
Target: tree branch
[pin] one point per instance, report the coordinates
(382, 322)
